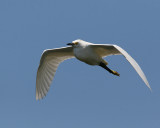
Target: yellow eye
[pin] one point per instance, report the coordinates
(75, 43)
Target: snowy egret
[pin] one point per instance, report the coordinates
(87, 52)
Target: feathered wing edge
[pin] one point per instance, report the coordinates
(109, 49)
(134, 64)
(49, 63)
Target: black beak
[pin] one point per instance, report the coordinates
(70, 44)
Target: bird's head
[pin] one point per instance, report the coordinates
(77, 43)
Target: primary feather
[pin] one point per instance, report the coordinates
(49, 62)
(109, 49)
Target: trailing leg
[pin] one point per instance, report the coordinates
(108, 69)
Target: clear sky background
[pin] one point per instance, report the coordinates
(81, 96)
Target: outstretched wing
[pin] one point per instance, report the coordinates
(108, 49)
(49, 62)
(105, 49)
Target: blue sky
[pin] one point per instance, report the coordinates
(80, 96)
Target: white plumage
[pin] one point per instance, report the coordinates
(89, 53)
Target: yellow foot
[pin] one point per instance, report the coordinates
(115, 73)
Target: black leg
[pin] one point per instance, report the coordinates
(105, 67)
(108, 69)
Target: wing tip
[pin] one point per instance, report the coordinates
(38, 97)
(149, 86)
(139, 70)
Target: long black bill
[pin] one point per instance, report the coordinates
(70, 44)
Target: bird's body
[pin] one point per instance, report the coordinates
(86, 52)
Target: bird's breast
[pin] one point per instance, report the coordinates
(87, 55)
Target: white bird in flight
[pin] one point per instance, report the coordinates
(86, 52)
